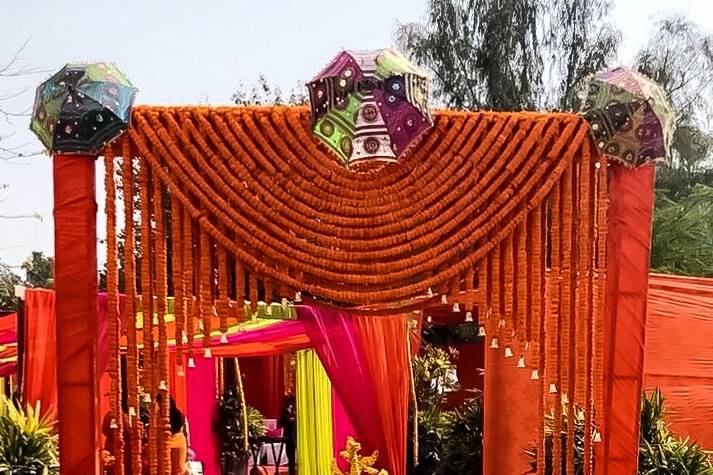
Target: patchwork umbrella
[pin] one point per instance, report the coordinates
(630, 116)
(82, 107)
(369, 106)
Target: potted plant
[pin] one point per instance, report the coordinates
(234, 459)
(28, 442)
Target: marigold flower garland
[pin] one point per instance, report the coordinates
(112, 316)
(147, 308)
(163, 428)
(132, 355)
(258, 206)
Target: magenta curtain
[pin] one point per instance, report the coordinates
(342, 427)
(342, 341)
(202, 403)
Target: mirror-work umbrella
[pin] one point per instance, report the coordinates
(369, 106)
(631, 118)
(82, 107)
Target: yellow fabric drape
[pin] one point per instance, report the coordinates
(314, 415)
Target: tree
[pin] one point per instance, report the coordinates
(14, 67)
(505, 54)
(679, 57)
(263, 93)
(8, 281)
(39, 270)
(683, 233)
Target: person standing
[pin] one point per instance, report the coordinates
(288, 422)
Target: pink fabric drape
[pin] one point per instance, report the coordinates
(357, 354)
(201, 402)
(342, 427)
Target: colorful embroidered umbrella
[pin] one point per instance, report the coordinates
(631, 118)
(82, 107)
(369, 105)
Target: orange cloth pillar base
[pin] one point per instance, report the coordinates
(510, 401)
(75, 212)
(628, 247)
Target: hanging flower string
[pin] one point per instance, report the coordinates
(132, 354)
(112, 316)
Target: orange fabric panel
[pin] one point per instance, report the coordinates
(628, 248)
(679, 353)
(75, 243)
(40, 378)
(386, 354)
(510, 410)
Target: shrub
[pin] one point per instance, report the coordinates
(660, 451)
(28, 443)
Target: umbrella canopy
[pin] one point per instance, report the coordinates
(82, 107)
(631, 118)
(369, 106)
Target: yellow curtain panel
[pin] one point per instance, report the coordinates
(314, 415)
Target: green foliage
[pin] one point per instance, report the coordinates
(39, 270)
(231, 420)
(683, 233)
(511, 54)
(660, 452)
(8, 281)
(28, 443)
(463, 448)
(449, 442)
(431, 374)
(230, 427)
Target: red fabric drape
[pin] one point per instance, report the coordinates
(264, 382)
(8, 328)
(75, 212)
(40, 378)
(628, 247)
(679, 353)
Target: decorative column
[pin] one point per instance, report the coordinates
(75, 212)
(631, 193)
(76, 113)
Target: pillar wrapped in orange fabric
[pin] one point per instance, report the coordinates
(75, 212)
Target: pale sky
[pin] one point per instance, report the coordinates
(183, 51)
